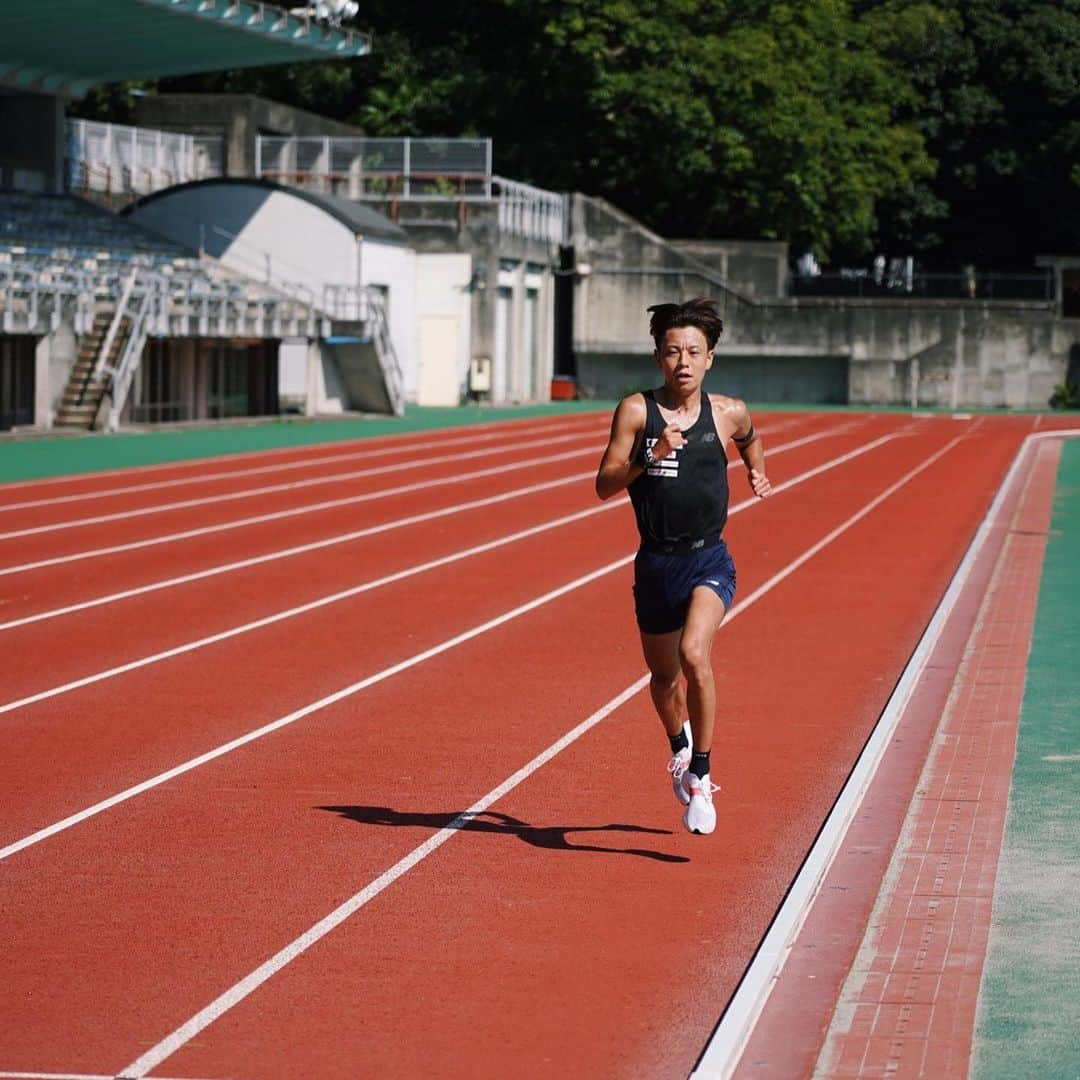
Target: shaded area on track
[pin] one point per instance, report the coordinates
(550, 837)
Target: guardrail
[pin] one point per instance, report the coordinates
(980, 285)
(361, 168)
(115, 159)
(411, 170)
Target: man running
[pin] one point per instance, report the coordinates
(667, 447)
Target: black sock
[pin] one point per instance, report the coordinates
(699, 763)
(678, 742)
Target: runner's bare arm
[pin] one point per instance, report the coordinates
(619, 467)
(748, 443)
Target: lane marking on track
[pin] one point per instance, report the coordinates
(295, 511)
(365, 455)
(342, 538)
(295, 485)
(301, 549)
(251, 982)
(509, 426)
(4, 1075)
(347, 691)
(307, 508)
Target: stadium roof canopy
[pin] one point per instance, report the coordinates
(68, 46)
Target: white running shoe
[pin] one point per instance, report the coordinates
(700, 816)
(677, 766)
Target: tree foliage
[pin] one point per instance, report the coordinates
(948, 127)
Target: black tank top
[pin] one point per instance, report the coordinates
(681, 502)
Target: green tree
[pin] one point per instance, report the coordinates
(948, 128)
(700, 117)
(998, 83)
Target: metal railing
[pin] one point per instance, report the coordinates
(361, 168)
(113, 159)
(529, 211)
(979, 285)
(130, 356)
(385, 351)
(410, 170)
(36, 291)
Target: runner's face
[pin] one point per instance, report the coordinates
(683, 358)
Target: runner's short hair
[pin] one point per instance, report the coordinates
(700, 312)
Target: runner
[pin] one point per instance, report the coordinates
(667, 447)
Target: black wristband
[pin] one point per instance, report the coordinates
(647, 458)
(747, 439)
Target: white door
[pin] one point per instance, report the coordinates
(440, 364)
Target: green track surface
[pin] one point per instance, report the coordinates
(27, 459)
(1029, 1005)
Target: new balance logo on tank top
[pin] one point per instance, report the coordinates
(681, 503)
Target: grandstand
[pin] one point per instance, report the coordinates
(118, 285)
(102, 321)
(468, 227)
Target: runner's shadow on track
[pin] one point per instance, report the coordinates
(552, 837)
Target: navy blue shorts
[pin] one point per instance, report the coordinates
(663, 585)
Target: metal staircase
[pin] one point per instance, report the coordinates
(85, 386)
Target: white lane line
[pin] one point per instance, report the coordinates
(508, 426)
(313, 605)
(365, 455)
(300, 549)
(295, 511)
(251, 982)
(330, 504)
(306, 710)
(184, 1034)
(301, 609)
(342, 538)
(295, 485)
(6, 1075)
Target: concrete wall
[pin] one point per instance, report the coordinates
(757, 269)
(326, 393)
(959, 354)
(293, 374)
(54, 357)
(472, 229)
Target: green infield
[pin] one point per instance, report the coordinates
(1029, 1007)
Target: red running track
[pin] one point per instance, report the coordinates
(570, 926)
